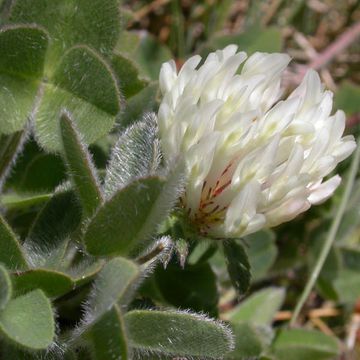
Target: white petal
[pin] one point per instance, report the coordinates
(190, 64)
(265, 63)
(345, 148)
(167, 76)
(227, 52)
(323, 191)
(310, 90)
(242, 209)
(287, 211)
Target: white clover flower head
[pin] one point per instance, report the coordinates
(252, 160)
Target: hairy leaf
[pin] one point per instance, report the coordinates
(177, 333)
(83, 73)
(59, 217)
(111, 286)
(128, 74)
(17, 201)
(28, 321)
(108, 337)
(135, 154)
(5, 287)
(10, 249)
(103, 323)
(81, 167)
(43, 173)
(140, 104)
(22, 51)
(84, 85)
(53, 283)
(70, 22)
(132, 215)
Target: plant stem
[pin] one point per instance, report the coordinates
(330, 237)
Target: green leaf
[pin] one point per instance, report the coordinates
(248, 342)
(17, 201)
(202, 252)
(9, 351)
(30, 149)
(44, 173)
(347, 285)
(53, 283)
(351, 219)
(351, 258)
(11, 254)
(238, 265)
(59, 217)
(140, 104)
(84, 73)
(84, 85)
(71, 22)
(113, 284)
(136, 154)
(177, 333)
(80, 166)
(28, 321)
(5, 287)
(108, 337)
(150, 55)
(347, 97)
(85, 271)
(128, 42)
(22, 51)
(193, 287)
(10, 147)
(103, 323)
(262, 252)
(299, 344)
(254, 39)
(17, 97)
(139, 208)
(128, 74)
(259, 308)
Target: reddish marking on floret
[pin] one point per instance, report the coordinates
(218, 191)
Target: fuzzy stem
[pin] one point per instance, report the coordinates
(330, 237)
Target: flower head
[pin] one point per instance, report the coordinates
(252, 160)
